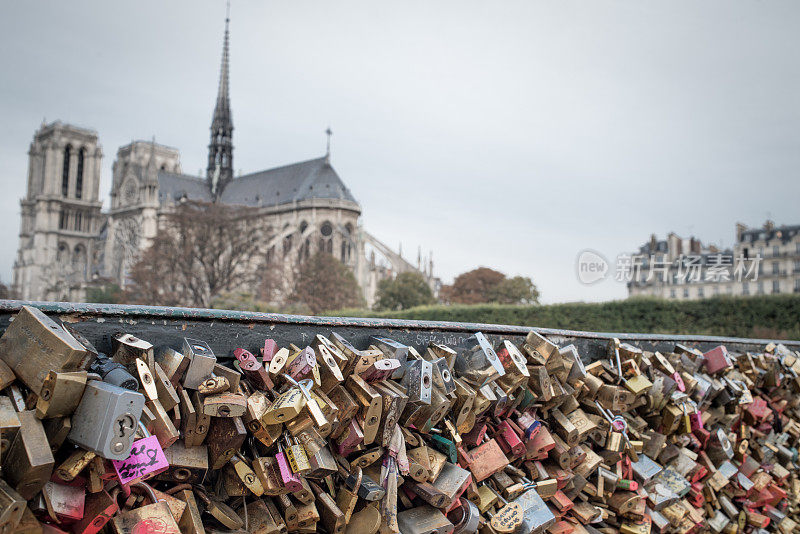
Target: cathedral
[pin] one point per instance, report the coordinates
(68, 244)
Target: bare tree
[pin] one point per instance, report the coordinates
(201, 250)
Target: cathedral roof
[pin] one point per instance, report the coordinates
(307, 180)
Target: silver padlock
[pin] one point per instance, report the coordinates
(645, 469)
(418, 380)
(478, 364)
(201, 362)
(443, 376)
(106, 420)
(537, 517)
(392, 349)
(423, 520)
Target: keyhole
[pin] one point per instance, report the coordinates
(125, 425)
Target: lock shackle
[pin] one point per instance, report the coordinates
(144, 430)
(147, 489)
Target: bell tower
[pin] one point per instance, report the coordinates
(61, 217)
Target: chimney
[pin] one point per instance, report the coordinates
(740, 228)
(769, 225)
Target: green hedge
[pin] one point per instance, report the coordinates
(770, 317)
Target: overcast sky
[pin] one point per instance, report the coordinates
(508, 134)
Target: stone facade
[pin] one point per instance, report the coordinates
(60, 241)
(67, 244)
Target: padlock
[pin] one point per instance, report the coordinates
(538, 348)
(418, 380)
(286, 407)
(371, 406)
(172, 362)
(190, 522)
(225, 405)
(33, 345)
(247, 475)
(347, 496)
(485, 460)
(380, 370)
(64, 503)
(187, 465)
(262, 520)
(98, 510)
(296, 456)
(163, 428)
(167, 395)
(220, 511)
(60, 394)
(253, 369)
(330, 514)
(194, 424)
(106, 419)
(29, 462)
(392, 349)
(257, 405)
(289, 478)
(225, 436)
(394, 401)
(478, 364)
(201, 362)
(330, 374)
(113, 373)
(301, 364)
(423, 520)
(12, 507)
(127, 348)
(155, 517)
(512, 359)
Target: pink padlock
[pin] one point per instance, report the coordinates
(290, 480)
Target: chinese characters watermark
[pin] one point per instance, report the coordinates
(592, 267)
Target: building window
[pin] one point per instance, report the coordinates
(79, 175)
(797, 247)
(775, 267)
(326, 229)
(776, 286)
(62, 220)
(797, 266)
(62, 256)
(700, 292)
(745, 288)
(672, 293)
(65, 171)
(79, 260)
(79, 222)
(760, 289)
(686, 292)
(797, 285)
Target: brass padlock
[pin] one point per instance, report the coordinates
(60, 394)
(167, 395)
(247, 475)
(187, 465)
(225, 436)
(29, 463)
(127, 348)
(33, 345)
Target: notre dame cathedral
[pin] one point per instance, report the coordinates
(68, 244)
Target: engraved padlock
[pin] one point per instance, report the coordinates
(478, 364)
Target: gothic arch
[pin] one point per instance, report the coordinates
(79, 259)
(62, 253)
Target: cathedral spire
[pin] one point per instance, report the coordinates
(220, 150)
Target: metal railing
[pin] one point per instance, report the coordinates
(225, 330)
